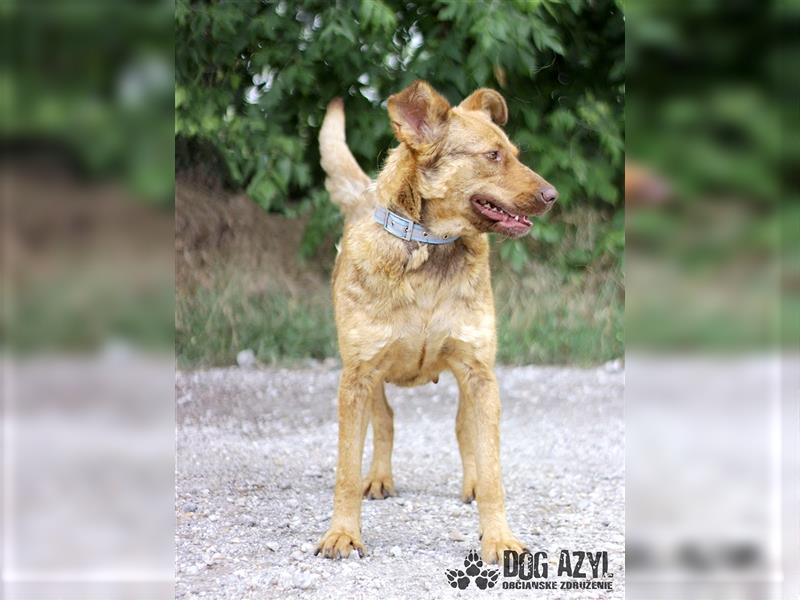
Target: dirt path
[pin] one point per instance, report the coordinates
(256, 451)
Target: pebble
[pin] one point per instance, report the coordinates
(246, 358)
(297, 555)
(395, 551)
(272, 546)
(307, 547)
(457, 536)
(190, 507)
(303, 580)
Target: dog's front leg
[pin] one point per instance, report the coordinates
(482, 404)
(344, 535)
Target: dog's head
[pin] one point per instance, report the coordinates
(465, 168)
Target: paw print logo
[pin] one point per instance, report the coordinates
(457, 579)
(475, 570)
(473, 563)
(487, 578)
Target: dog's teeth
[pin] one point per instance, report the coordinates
(516, 218)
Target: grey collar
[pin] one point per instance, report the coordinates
(408, 230)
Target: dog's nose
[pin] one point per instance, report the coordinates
(548, 195)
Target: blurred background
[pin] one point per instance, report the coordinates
(712, 284)
(87, 300)
(92, 138)
(255, 230)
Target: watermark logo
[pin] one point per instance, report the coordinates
(483, 576)
(574, 570)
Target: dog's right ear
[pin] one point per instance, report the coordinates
(418, 114)
(490, 102)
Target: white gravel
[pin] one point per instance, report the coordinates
(256, 450)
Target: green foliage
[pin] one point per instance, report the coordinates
(711, 127)
(93, 80)
(253, 80)
(703, 267)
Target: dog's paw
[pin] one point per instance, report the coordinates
(457, 579)
(473, 563)
(378, 487)
(493, 546)
(339, 544)
(487, 578)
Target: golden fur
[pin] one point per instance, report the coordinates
(407, 311)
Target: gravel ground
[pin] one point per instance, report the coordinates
(256, 451)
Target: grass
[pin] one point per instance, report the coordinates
(212, 325)
(549, 318)
(550, 313)
(80, 306)
(553, 316)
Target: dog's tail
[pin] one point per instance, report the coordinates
(346, 181)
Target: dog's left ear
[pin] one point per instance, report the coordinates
(418, 114)
(490, 102)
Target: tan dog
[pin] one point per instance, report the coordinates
(405, 310)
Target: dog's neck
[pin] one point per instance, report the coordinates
(397, 187)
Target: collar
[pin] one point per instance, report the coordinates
(408, 230)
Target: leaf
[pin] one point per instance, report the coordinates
(262, 190)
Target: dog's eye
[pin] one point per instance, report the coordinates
(494, 155)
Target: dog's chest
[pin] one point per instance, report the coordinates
(404, 314)
(425, 328)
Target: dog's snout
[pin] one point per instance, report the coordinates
(548, 194)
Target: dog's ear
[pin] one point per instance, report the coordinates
(490, 102)
(418, 114)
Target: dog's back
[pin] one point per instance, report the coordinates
(345, 181)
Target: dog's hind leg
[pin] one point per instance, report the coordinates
(466, 446)
(379, 483)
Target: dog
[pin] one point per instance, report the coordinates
(412, 293)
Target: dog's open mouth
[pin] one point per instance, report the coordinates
(502, 221)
